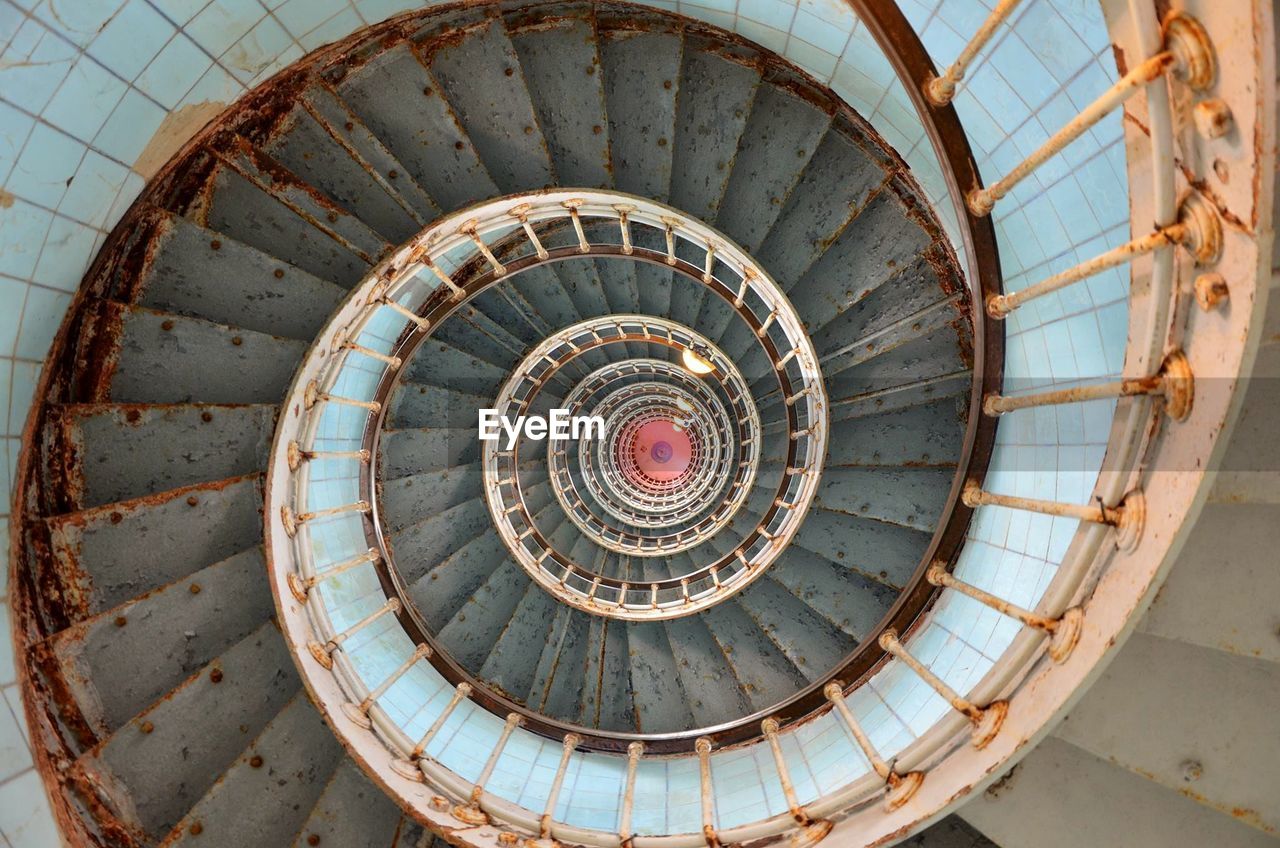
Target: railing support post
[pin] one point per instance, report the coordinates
(898, 788)
(986, 721)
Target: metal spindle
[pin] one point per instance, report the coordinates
(422, 323)
(1198, 229)
(940, 90)
(312, 395)
(295, 455)
(986, 721)
(1187, 53)
(899, 788)
(471, 812)
(300, 586)
(323, 654)
(521, 213)
(291, 521)
(572, 205)
(1175, 383)
(444, 278)
(1063, 632)
(634, 750)
(409, 768)
(703, 747)
(571, 741)
(341, 342)
(469, 230)
(359, 713)
(670, 224)
(813, 831)
(709, 263)
(624, 223)
(1128, 517)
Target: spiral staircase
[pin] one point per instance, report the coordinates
(273, 590)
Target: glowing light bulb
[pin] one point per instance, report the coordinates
(696, 363)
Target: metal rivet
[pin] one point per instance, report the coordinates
(146, 727)
(195, 588)
(666, 84)
(509, 71)
(662, 142)
(167, 325)
(350, 125)
(591, 69)
(278, 273)
(528, 130)
(333, 217)
(313, 839)
(597, 129)
(237, 341)
(457, 145)
(196, 828)
(255, 761)
(121, 621)
(216, 675)
(206, 417)
(428, 91)
(1211, 290)
(1192, 770)
(392, 174)
(192, 500)
(116, 518)
(216, 244)
(132, 416)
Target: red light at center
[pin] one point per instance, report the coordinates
(661, 450)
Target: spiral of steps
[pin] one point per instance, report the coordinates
(183, 718)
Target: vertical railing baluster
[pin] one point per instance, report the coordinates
(471, 812)
(409, 767)
(634, 750)
(899, 788)
(986, 721)
(706, 792)
(812, 831)
(359, 713)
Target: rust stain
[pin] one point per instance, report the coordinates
(174, 131)
(6, 199)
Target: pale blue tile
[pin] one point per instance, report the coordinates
(302, 16)
(15, 126)
(12, 295)
(216, 86)
(79, 20)
(762, 34)
(777, 14)
(85, 100)
(257, 50)
(174, 71)
(133, 184)
(817, 62)
(34, 65)
(47, 163)
(11, 19)
(67, 250)
(822, 32)
(22, 231)
(223, 22)
(41, 318)
(339, 26)
(374, 11)
(180, 11)
(130, 127)
(132, 39)
(94, 189)
(1016, 63)
(25, 817)
(25, 377)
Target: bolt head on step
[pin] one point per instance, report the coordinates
(320, 654)
(469, 814)
(1204, 228)
(407, 769)
(904, 790)
(1189, 42)
(1179, 386)
(1066, 634)
(1133, 517)
(357, 716)
(989, 724)
(811, 834)
(296, 587)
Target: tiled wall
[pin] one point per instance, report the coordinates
(94, 94)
